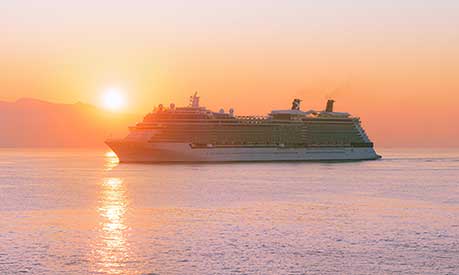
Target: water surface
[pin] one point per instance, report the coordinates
(79, 211)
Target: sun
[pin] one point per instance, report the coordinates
(113, 99)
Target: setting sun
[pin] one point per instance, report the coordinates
(113, 99)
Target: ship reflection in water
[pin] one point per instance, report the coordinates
(112, 250)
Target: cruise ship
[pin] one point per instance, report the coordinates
(197, 134)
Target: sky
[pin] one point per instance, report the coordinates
(393, 63)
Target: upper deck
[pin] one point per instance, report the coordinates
(195, 114)
(198, 125)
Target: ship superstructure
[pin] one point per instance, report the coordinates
(194, 133)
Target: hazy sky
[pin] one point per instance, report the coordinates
(394, 63)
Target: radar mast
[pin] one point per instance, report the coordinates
(194, 100)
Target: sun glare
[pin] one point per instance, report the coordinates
(113, 99)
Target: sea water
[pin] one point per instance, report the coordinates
(76, 211)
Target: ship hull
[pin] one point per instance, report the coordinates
(144, 152)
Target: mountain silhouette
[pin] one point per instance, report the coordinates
(30, 122)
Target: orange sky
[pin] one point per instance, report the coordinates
(394, 64)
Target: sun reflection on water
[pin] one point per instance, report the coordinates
(111, 160)
(112, 250)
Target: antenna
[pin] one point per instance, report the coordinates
(194, 100)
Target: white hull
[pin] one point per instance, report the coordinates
(133, 151)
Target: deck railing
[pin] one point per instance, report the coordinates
(251, 117)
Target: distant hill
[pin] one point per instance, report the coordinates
(35, 123)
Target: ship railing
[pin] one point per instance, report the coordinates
(251, 117)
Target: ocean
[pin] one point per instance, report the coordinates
(69, 211)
